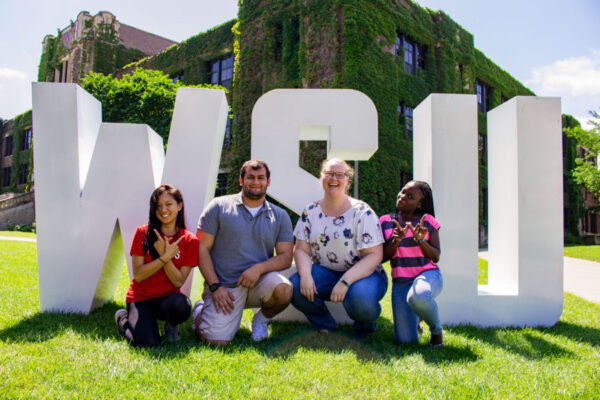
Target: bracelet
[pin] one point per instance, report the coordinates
(344, 282)
(163, 261)
(420, 241)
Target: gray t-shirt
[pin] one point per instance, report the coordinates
(242, 240)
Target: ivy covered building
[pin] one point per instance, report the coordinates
(394, 51)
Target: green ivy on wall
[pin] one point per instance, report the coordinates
(20, 158)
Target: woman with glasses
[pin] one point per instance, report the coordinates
(338, 255)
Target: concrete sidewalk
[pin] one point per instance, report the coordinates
(581, 277)
(18, 239)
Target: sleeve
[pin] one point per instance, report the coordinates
(209, 220)
(387, 227)
(368, 230)
(285, 228)
(431, 224)
(191, 251)
(138, 240)
(302, 230)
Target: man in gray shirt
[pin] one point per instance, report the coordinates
(238, 234)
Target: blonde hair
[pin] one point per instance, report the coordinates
(349, 170)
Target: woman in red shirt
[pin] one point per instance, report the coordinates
(163, 254)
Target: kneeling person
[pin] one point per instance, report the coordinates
(238, 234)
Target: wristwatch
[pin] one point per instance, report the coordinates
(213, 288)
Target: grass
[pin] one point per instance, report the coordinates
(18, 234)
(73, 356)
(591, 253)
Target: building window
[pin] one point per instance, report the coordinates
(22, 179)
(414, 54)
(221, 71)
(177, 78)
(221, 185)
(26, 139)
(228, 136)
(405, 115)
(483, 96)
(6, 176)
(8, 146)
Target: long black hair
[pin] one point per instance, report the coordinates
(154, 222)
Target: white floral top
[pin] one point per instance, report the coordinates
(335, 241)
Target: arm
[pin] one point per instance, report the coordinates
(390, 247)
(165, 250)
(281, 261)
(304, 266)
(431, 247)
(177, 276)
(222, 298)
(371, 258)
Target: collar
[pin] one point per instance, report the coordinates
(240, 202)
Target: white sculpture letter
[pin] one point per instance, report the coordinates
(525, 207)
(346, 119)
(94, 179)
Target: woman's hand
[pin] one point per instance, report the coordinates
(308, 288)
(169, 250)
(418, 231)
(159, 244)
(338, 294)
(399, 232)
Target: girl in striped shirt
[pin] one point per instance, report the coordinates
(412, 243)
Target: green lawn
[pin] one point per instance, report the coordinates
(591, 253)
(73, 356)
(18, 234)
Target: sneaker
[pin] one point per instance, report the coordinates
(121, 319)
(171, 332)
(437, 341)
(260, 328)
(197, 310)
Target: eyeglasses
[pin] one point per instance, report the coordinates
(336, 175)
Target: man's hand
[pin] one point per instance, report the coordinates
(249, 277)
(223, 300)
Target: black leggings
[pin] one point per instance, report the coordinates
(143, 315)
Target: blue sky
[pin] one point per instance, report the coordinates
(552, 46)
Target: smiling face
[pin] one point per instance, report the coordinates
(334, 178)
(409, 199)
(167, 209)
(254, 183)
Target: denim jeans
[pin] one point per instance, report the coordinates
(361, 301)
(413, 299)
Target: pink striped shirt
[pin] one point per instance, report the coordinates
(409, 260)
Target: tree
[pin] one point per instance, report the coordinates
(586, 166)
(145, 96)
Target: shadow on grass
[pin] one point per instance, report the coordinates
(379, 347)
(97, 325)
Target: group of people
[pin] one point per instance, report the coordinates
(243, 242)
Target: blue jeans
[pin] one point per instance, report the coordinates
(361, 301)
(413, 299)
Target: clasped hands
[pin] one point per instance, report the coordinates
(418, 231)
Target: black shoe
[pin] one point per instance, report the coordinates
(171, 332)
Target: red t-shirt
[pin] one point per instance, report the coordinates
(159, 285)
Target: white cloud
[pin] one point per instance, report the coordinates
(10, 73)
(575, 76)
